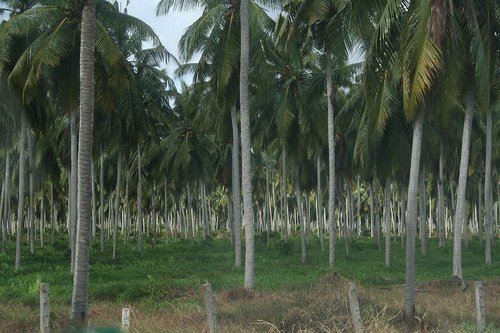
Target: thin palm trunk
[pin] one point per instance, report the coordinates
(319, 215)
(300, 214)
(441, 221)
(331, 162)
(246, 172)
(94, 204)
(73, 187)
(6, 213)
(284, 196)
(101, 199)
(423, 215)
(117, 202)
(488, 195)
(139, 200)
(411, 221)
(387, 222)
(79, 304)
(20, 204)
(165, 213)
(31, 224)
(460, 212)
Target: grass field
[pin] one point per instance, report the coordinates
(162, 285)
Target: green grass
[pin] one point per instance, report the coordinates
(176, 270)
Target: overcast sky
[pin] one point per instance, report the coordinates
(168, 27)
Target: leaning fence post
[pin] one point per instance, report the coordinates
(355, 310)
(210, 306)
(44, 308)
(125, 319)
(480, 317)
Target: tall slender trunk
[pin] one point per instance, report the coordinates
(79, 304)
(6, 213)
(246, 173)
(20, 204)
(461, 190)
(358, 206)
(319, 201)
(423, 215)
(376, 232)
(480, 211)
(411, 221)
(387, 222)
(165, 207)
(117, 201)
(284, 196)
(52, 214)
(94, 204)
(267, 204)
(441, 221)
(372, 211)
(42, 216)
(101, 199)
(73, 187)
(2, 217)
(139, 199)
(300, 213)
(31, 224)
(488, 193)
(331, 161)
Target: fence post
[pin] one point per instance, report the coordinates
(480, 317)
(125, 319)
(210, 306)
(355, 310)
(44, 308)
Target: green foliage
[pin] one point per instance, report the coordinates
(172, 272)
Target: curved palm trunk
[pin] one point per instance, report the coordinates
(79, 302)
(488, 196)
(246, 174)
(73, 188)
(331, 162)
(460, 212)
(20, 205)
(411, 220)
(236, 191)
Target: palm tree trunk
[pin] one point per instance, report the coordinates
(6, 214)
(165, 206)
(411, 221)
(101, 199)
(300, 214)
(441, 221)
(423, 215)
(42, 216)
(246, 172)
(20, 205)
(488, 195)
(387, 222)
(73, 187)
(94, 204)
(79, 304)
(139, 199)
(284, 196)
(117, 201)
(331, 161)
(267, 203)
(319, 214)
(461, 190)
(31, 224)
(52, 214)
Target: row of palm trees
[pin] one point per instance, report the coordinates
(260, 84)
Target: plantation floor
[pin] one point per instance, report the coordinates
(162, 287)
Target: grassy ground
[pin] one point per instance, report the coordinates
(162, 286)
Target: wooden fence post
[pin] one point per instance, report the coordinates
(210, 306)
(355, 310)
(480, 317)
(44, 308)
(125, 319)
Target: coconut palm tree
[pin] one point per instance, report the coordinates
(79, 302)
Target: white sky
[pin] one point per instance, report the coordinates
(168, 27)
